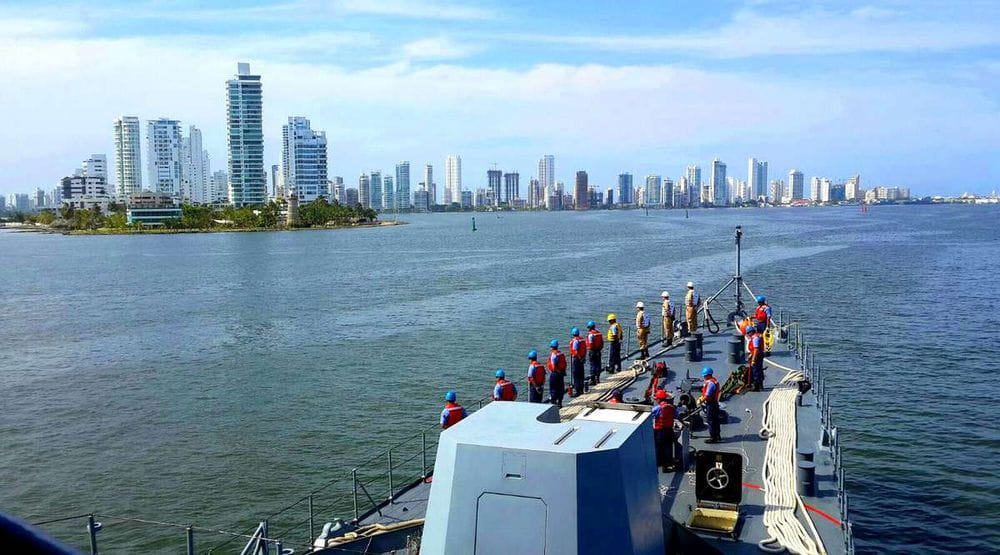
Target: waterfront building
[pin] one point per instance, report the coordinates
(693, 189)
(452, 179)
(3, 204)
(163, 156)
(196, 169)
(275, 173)
(838, 192)
(852, 189)
(824, 189)
(364, 191)
(512, 187)
(352, 197)
(81, 192)
(581, 200)
(220, 187)
(128, 160)
(95, 166)
(375, 190)
(718, 193)
(388, 194)
(421, 201)
(429, 185)
(536, 194)
(337, 189)
(814, 189)
(151, 209)
(626, 192)
(667, 193)
(494, 180)
(466, 200)
(796, 184)
(777, 191)
(245, 138)
(403, 186)
(22, 202)
(303, 160)
(756, 179)
(653, 190)
(609, 197)
(547, 175)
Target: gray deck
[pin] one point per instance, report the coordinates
(739, 436)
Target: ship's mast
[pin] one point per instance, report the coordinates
(739, 276)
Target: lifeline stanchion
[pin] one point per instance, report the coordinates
(312, 527)
(190, 540)
(93, 534)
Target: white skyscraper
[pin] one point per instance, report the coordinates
(196, 169)
(718, 193)
(245, 138)
(163, 156)
(756, 179)
(303, 160)
(814, 189)
(403, 185)
(95, 166)
(453, 179)
(128, 160)
(429, 184)
(796, 184)
(852, 189)
(547, 173)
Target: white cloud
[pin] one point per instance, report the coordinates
(14, 27)
(438, 48)
(416, 9)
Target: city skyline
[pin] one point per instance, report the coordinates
(478, 79)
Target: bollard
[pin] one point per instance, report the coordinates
(805, 453)
(700, 338)
(691, 349)
(806, 474)
(736, 352)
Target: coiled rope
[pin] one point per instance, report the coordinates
(781, 498)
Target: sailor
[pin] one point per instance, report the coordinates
(663, 430)
(616, 396)
(595, 342)
(578, 357)
(755, 347)
(504, 389)
(557, 373)
(691, 307)
(536, 378)
(710, 398)
(615, 339)
(667, 312)
(453, 412)
(642, 329)
(762, 314)
(658, 380)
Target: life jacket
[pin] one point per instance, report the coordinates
(668, 309)
(761, 313)
(578, 347)
(453, 414)
(710, 381)
(536, 373)
(744, 324)
(557, 362)
(663, 416)
(595, 340)
(755, 343)
(507, 391)
(614, 401)
(615, 332)
(654, 384)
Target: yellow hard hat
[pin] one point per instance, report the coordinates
(612, 316)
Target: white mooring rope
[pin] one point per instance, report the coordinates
(781, 498)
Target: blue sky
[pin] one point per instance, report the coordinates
(904, 93)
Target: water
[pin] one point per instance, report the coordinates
(215, 378)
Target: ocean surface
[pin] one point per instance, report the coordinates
(215, 378)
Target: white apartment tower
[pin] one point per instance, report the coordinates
(547, 174)
(303, 160)
(128, 160)
(402, 186)
(756, 179)
(95, 166)
(796, 185)
(245, 138)
(814, 189)
(163, 156)
(196, 169)
(453, 179)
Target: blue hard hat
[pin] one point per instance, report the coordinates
(554, 343)
(532, 355)
(591, 325)
(574, 331)
(750, 329)
(450, 396)
(706, 371)
(501, 373)
(761, 298)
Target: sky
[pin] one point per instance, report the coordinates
(903, 93)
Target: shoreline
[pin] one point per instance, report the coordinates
(158, 231)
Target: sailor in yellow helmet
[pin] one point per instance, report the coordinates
(615, 340)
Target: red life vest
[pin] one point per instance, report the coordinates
(761, 313)
(455, 415)
(614, 401)
(557, 362)
(595, 340)
(664, 420)
(507, 392)
(704, 389)
(536, 373)
(577, 348)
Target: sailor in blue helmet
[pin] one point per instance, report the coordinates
(755, 346)
(578, 358)
(557, 373)
(762, 314)
(453, 412)
(536, 378)
(710, 391)
(595, 343)
(504, 389)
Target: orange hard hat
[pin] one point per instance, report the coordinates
(662, 394)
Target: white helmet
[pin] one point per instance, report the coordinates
(640, 305)
(664, 294)
(690, 285)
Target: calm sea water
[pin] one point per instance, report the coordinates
(214, 378)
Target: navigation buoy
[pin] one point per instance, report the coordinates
(473, 223)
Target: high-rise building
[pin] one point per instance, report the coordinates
(756, 179)
(352, 197)
(421, 200)
(609, 197)
(815, 193)
(466, 200)
(275, 177)
(825, 186)
(303, 160)
(337, 189)
(581, 197)
(536, 194)
(653, 190)
(245, 138)
(776, 191)
(364, 191)
(494, 184)
(453, 179)
(693, 189)
(718, 193)
(547, 173)
(796, 184)
(128, 160)
(375, 190)
(220, 187)
(403, 186)
(429, 185)
(163, 156)
(668, 193)
(388, 194)
(852, 189)
(196, 169)
(512, 187)
(95, 166)
(625, 189)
